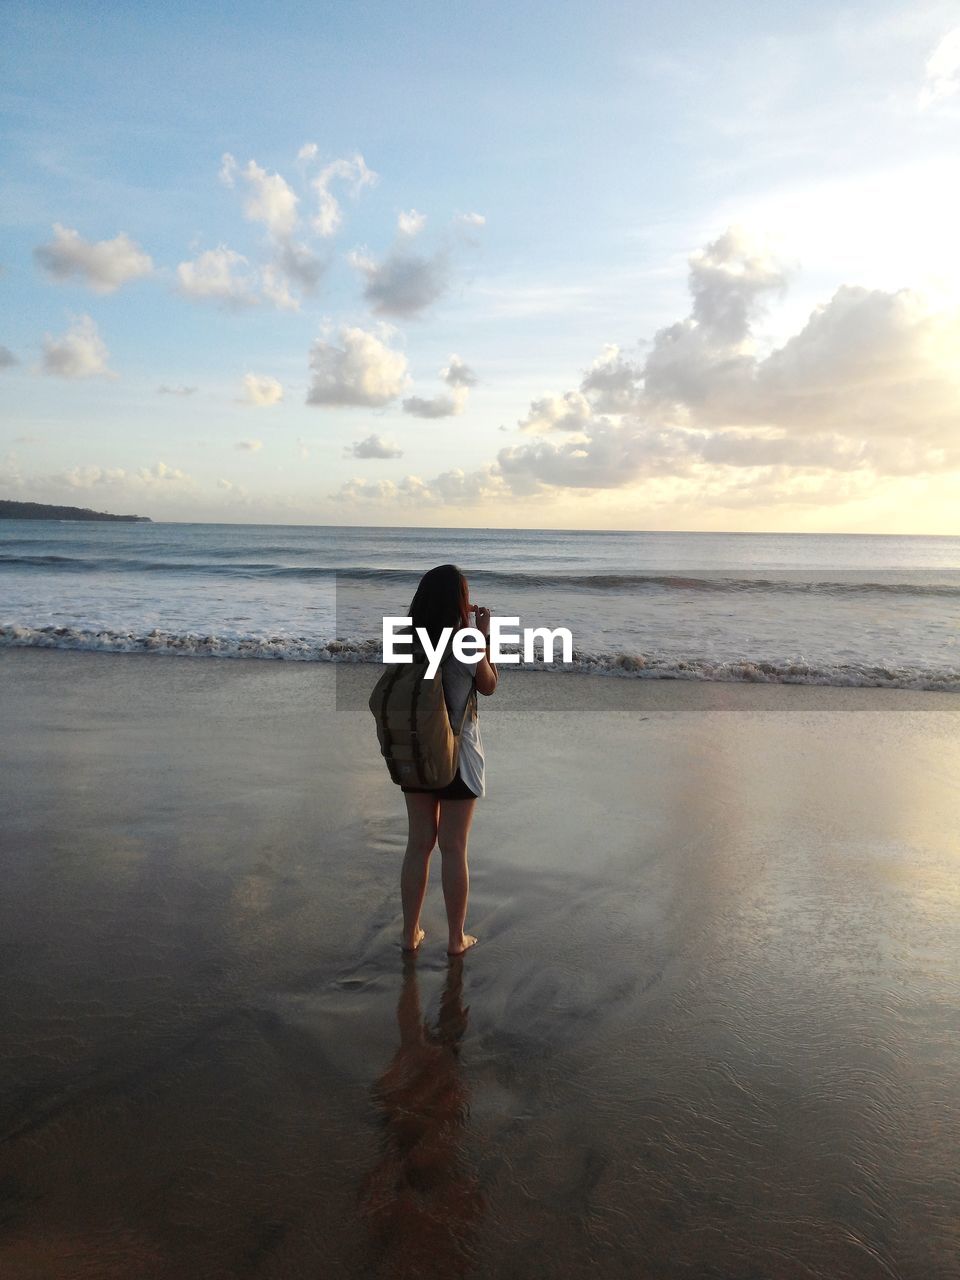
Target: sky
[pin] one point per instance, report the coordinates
(550, 265)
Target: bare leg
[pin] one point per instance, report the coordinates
(422, 814)
(453, 831)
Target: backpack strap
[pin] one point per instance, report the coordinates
(417, 686)
(387, 736)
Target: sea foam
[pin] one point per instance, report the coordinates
(641, 666)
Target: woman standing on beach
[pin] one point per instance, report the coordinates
(444, 816)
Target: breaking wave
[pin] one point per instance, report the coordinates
(619, 664)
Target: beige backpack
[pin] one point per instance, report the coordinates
(417, 740)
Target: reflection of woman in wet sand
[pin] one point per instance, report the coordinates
(420, 1201)
(443, 816)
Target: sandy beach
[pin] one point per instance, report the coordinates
(710, 1029)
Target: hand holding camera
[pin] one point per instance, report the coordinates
(482, 618)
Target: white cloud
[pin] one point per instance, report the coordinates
(180, 390)
(270, 199)
(404, 283)
(611, 382)
(300, 264)
(296, 265)
(146, 489)
(868, 365)
(730, 280)
(367, 491)
(442, 406)
(615, 456)
(410, 224)
(450, 488)
(261, 390)
(373, 447)
(709, 354)
(685, 369)
(457, 374)
(152, 478)
(228, 170)
(213, 277)
(276, 289)
(865, 391)
(362, 371)
(942, 72)
(308, 151)
(90, 477)
(272, 202)
(867, 388)
(79, 353)
(160, 475)
(7, 358)
(355, 173)
(472, 219)
(868, 385)
(457, 487)
(569, 412)
(609, 457)
(249, 446)
(104, 265)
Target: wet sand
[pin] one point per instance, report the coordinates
(711, 1028)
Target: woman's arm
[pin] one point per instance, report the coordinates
(486, 674)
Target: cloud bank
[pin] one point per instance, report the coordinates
(867, 388)
(152, 478)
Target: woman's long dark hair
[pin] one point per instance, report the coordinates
(442, 600)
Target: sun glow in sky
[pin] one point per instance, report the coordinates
(617, 265)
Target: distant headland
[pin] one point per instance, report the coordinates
(43, 511)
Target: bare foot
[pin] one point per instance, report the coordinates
(416, 942)
(468, 941)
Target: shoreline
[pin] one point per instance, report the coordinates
(364, 654)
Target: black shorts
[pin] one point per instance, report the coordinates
(455, 790)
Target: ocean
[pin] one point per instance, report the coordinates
(823, 609)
